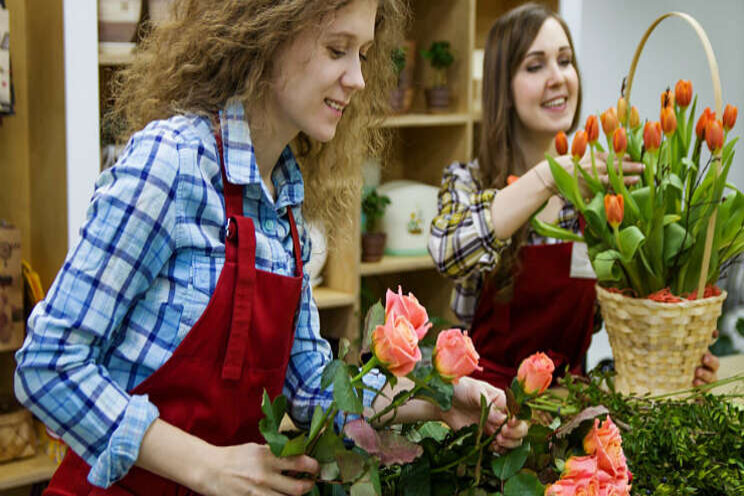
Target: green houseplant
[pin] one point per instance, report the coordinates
(441, 58)
(373, 209)
(403, 60)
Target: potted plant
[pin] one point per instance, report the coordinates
(440, 57)
(403, 63)
(658, 247)
(373, 240)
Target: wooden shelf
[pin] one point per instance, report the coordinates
(396, 264)
(331, 298)
(419, 120)
(26, 471)
(107, 59)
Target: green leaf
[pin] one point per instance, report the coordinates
(317, 422)
(668, 219)
(275, 440)
(596, 219)
(565, 183)
(434, 430)
(344, 345)
(375, 316)
(328, 445)
(631, 239)
(524, 484)
(329, 373)
(344, 393)
(351, 465)
(674, 237)
(439, 391)
(606, 266)
(415, 479)
(740, 327)
(274, 411)
(363, 488)
(551, 231)
(296, 446)
(510, 463)
(329, 471)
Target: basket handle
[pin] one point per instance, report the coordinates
(713, 66)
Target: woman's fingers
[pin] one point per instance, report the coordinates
(300, 463)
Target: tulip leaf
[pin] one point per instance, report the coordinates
(605, 266)
(510, 463)
(635, 144)
(552, 231)
(565, 182)
(668, 219)
(344, 394)
(630, 239)
(594, 185)
(596, 219)
(524, 484)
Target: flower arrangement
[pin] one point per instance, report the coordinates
(648, 240)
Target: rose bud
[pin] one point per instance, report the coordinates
(578, 147)
(706, 116)
(668, 121)
(622, 110)
(609, 121)
(714, 135)
(729, 117)
(683, 93)
(561, 143)
(455, 355)
(620, 141)
(410, 308)
(535, 373)
(592, 128)
(395, 345)
(635, 119)
(614, 209)
(652, 135)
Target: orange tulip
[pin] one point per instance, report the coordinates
(667, 98)
(609, 121)
(652, 135)
(614, 209)
(592, 128)
(620, 141)
(729, 117)
(578, 147)
(683, 93)
(706, 116)
(622, 110)
(714, 135)
(668, 121)
(635, 119)
(512, 179)
(561, 143)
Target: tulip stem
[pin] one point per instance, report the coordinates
(594, 164)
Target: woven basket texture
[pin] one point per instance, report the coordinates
(17, 436)
(657, 346)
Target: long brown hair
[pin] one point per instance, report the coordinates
(499, 156)
(214, 50)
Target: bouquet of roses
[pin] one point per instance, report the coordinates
(649, 239)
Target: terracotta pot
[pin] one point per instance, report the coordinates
(117, 20)
(400, 100)
(438, 99)
(373, 246)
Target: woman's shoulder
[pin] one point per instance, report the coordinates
(181, 130)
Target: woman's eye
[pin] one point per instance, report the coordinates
(565, 62)
(362, 57)
(533, 68)
(336, 53)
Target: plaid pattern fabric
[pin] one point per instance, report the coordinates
(462, 242)
(141, 275)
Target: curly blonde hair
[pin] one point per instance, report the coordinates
(213, 50)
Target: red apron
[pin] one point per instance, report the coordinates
(549, 312)
(213, 383)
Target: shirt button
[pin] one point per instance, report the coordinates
(269, 225)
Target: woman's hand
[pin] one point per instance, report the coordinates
(466, 411)
(707, 372)
(253, 469)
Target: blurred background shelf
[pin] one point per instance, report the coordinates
(27, 471)
(392, 264)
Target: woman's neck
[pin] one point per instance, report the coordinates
(533, 146)
(269, 141)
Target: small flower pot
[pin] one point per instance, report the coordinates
(438, 99)
(400, 100)
(373, 246)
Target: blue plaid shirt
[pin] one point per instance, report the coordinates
(141, 275)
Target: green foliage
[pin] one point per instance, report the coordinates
(440, 57)
(373, 207)
(398, 56)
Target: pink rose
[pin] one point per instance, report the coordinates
(535, 373)
(455, 355)
(579, 467)
(605, 443)
(395, 344)
(410, 308)
(586, 486)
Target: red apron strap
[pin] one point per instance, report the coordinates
(295, 243)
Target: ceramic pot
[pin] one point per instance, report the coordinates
(438, 99)
(373, 246)
(117, 20)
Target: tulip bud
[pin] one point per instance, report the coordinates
(622, 110)
(652, 136)
(729, 117)
(512, 179)
(706, 116)
(609, 121)
(561, 143)
(614, 209)
(635, 119)
(620, 141)
(714, 135)
(683, 93)
(578, 147)
(668, 120)
(592, 128)
(667, 98)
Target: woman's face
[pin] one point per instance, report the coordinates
(317, 73)
(545, 86)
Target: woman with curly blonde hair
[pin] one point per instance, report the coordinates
(186, 296)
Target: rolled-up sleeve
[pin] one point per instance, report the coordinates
(125, 242)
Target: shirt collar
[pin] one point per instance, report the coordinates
(240, 158)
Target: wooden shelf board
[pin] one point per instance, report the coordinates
(27, 471)
(331, 298)
(106, 59)
(419, 120)
(391, 264)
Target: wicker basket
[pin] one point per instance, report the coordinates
(17, 436)
(657, 346)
